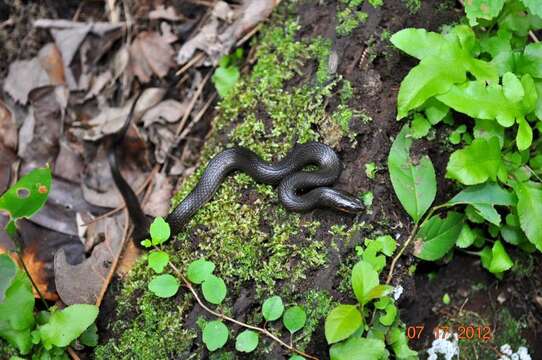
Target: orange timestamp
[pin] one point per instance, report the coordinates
(463, 332)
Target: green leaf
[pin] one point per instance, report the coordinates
(389, 317)
(357, 348)
(530, 211)
(215, 335)
(513, 90)
(476, 163)
(487, 129)
(479, 101)
(399, 344)
(388, 244)
(247, 341)
(364, 279)
(435, 111)
(160, 231)
(164, 286)
(415, 185)
(418, 43)
(524, 137)
(28, 195)
(214, 289)
(8, 270)
(146, 243)
(420, 126)
(500, 261)
(530, 62)
(438, 236)
(225, 79)
(294, 318)
(296, 357)
(199, 270)
(15, 326)
(466, 237)
(158, 260)
(483, 198)
(272, 308)
(482, 9)
(68, 324)
(342, 322)
(534, 6)
(89, 337)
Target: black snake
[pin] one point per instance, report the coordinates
(298, 190)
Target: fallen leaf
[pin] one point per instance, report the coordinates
(8, 127)
(159, 199)
(168, 111)
(98, 83)
(150, 54)
(97, 28)
(23, 77)
(206, 40)
(83, 283)
(167, 33)
(163, 139)
(7, 158)
(51, 61)
(169, 13)
(69, 163)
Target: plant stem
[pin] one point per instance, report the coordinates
(32, 280)
(266, 332)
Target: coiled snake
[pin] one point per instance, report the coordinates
(298, 190)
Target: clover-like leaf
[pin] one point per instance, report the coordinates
(215, 335)
(164, 286)
(247, 341)
(272, 308)
(294, 318)
(214, 289)
(199, 270)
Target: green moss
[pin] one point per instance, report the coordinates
(349, 17)
(413, 6)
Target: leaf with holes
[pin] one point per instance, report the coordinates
(415, 184)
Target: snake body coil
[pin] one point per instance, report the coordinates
(298, 190)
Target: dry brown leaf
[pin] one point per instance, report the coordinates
(162, 190)
(98, 83)
(163, 139)
(7, 158)
(8, 127)
(150, 54)
(169, 13)
(168, 111)
(167, 33)
(51, 61)
(83, 283)
(23, 77)
(69, 163)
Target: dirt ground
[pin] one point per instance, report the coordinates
(375, 70)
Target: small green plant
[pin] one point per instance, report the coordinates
(349, 17)
(227, 74)
(200, 272)
(491, 73)
(45, 334)
(369, 327)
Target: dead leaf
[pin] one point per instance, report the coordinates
(69, 163)
(97, 28)
(23, 77)
(168, 111)
(51, 61)
(167, 33)
(7, 158)
(162, 190)
(128, 258)
(98, 83)
(8, 127)
(83, 283)
(169, 13)
(163, 139)
(206, 40)
(150, 54)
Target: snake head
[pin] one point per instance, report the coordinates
(346, 202)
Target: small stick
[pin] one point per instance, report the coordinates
(73, 354)
(189, 64)
(193, 103)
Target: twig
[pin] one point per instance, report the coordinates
(193, 103)
(396, 258)
(32, 280)
(73, 354)
(248, 35)
(198, 117)
(188, 65)
(264, 331)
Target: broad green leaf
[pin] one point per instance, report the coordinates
(225, 79)
(160, 231)
(524, 137)
(483, 198)
(487, 129)
(247, 341)
(529, 101)
(516, 19)
(68, 324)
(158, 260)
(530, 211)
(89, 337)
(214, 290)
(534, 6)
(15, 326)
(476, 163)
(389, 317)
(479, 101)
(199, 270)
(531, 61)
(435, 111)
(388, 244)
(538, 106)
(342, 322)
(8, 270)
(419, 127)
(364, 279)
(272, 308)
(438, 236)
(415, 185)
(294, 318)
(378, 291)
(482, 9)
(500, 261)
(512, 87)
(370, 255)
(466, 237)
(28, 195)
(215, 335)
(418, 43)
(164, 286)
(357, 348)
(399, 343)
